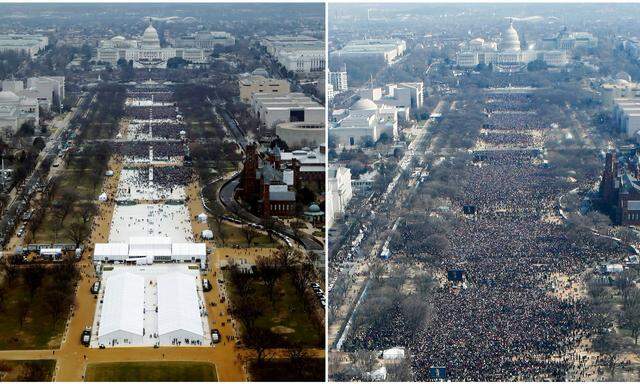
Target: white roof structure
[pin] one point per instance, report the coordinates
(188, 249)
(393, 353)
(111, 250)
(150, 246)
(178, 307)
(123, 305)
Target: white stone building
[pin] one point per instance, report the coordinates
(508, 55)
(16, 110)
(251, 84)
(301, 134)
(206, 40)
(291, 107)
(146, 52)
(46, 89)
(365, 120)
(338, 80)
(339, 192)
(302, 55)
(25, 44)
(386, 49)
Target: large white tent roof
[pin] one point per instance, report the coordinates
(111, 249)
(150, 246)
(178, 307)
(123, 305)
(189, 249)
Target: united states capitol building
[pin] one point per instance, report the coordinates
(145, 52)
(506, 54)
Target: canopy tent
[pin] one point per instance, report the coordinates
(393, 353)
(178, 309)
(188, 251)
(102, 197)
(207, 234)
(202, 217)
(110, 251)
(122, 320)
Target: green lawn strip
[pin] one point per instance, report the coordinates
(151, 371)
(27, 370)
(38, 329)
(288, 312)
(310, 369)
(234, 236)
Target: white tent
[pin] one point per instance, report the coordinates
(111, 252)
(202, 217)
(122, 318)
(188, 251)
(152, 245)
(102, 197)
(109, 173)
(179, 310)
(396, 353)
(379, 374)
(207, 234)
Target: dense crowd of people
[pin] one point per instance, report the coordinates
(155, 112)
(504, 323)
(149, 95)
(514, 120)
(161, 129)
(513, 139)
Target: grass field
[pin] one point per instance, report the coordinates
(27, 370)
(285, 370)
(151, 371)
(38, 331)
(288, 317)
(234, 236)
(71, 178)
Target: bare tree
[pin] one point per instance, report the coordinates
(261, 340)
(610, 347)
(33, 276)
(68, 200)
(23, 306)
(88, 209)
(78, 231)
(269, 272)
(249, 234)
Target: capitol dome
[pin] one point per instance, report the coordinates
(150, 38)
(510, 39)
(364, 105)
(8, 97)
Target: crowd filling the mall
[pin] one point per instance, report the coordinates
(505, 322)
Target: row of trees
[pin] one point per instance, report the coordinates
(248, 305)
(51, 286)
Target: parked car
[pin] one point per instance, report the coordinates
(85, 339)
(206, 285)
(95, 288)
(215, 336)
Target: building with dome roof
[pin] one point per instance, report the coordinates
(146, 52)
(366, 121)
(16, 110)
(506, 54)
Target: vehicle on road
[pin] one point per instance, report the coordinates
(85, 339)
(215, 336)
(95, 288)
